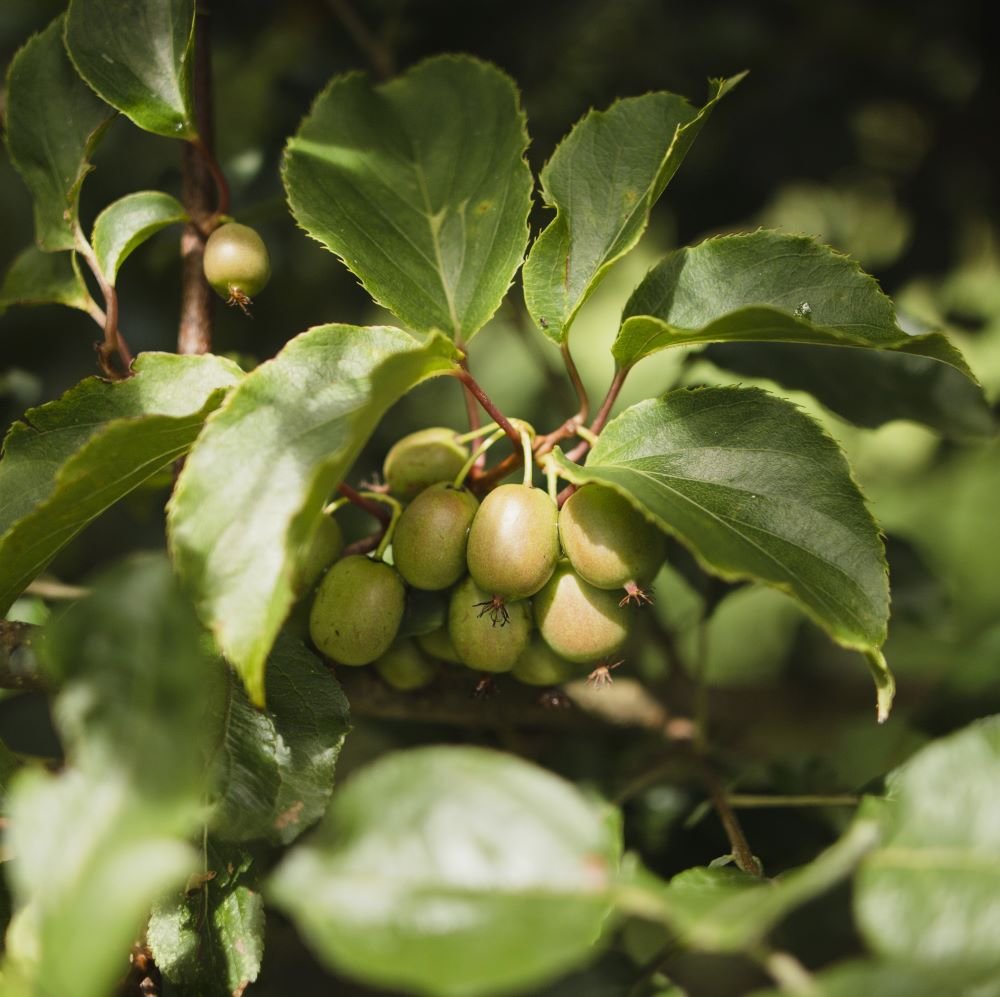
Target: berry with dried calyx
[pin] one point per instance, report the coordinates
(481, 643)
(236, 263)
(422, 459)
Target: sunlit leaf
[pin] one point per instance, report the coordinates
(128, 222)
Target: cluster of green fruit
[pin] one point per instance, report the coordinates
(524, 587)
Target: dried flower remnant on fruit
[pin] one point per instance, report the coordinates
(236, 264)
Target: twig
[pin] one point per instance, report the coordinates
(487, 403)
(742, 853)
(376, 509)
(114, 344)
(749, 801)
(54, 590)
(373, 47)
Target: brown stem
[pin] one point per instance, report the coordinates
(574, 376)
(376, 509)
(484, 399)
(376, 51)
(742, 852)
(201, 178)
(114, 344)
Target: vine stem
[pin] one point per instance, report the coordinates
(376, 509)
(487, 403)
(742, 853)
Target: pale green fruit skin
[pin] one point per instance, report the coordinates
(438, 645)
(357, 610)
(323, 550)
(607, 540)
(514, 542)
(236, 257)
(421, 459)
(481, 645)
(405, 667)
(578, 621)
(428, 545)
(540, 665)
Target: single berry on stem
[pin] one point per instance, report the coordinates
(236, 264)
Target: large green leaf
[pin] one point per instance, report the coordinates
(95, 845)
(420, 186)
(53, 123)
(757, 490)
(138, 59)
(251, 493)
(453, 870)
(603, 181)
(127, 223)
(275, 768)
(208, 941)
(39, 278)
(931, 895)
(765, 287)
(71, 459)
(868, 387)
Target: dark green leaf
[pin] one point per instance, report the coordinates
(765, 287)
(95, 845)
(38, 278)
(73, 458)
(53, 123)
(138, 60)
(757, 490)
(251, 493)
(127, 223)
(209, 939)
(931, 895)
(868, 388)
(453, 870)
(420, 187)
(275, 768)
(603, 181)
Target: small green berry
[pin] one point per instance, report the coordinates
(422, 459)
(236, 263)
(482, 643)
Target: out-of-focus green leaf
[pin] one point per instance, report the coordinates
(208, 941)
(930, 895)
(453, 871)
(765, 287)
(138, 59)
(868, 387)
(127, 223)
(420, 186)
(275, 768)
(603, 180)
(73, 458)
(39, 278)
(53, 123)
(93, 846)
(756, 490)
(252, 491)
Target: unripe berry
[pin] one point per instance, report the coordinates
(404, 667)
(481, 643)
(357, 610)
(421, 459)
(323, 550)
(438, 644)
(540, 665)
(236, 263)
(428, 545)
(607, 540)
(514, 542)
(578, 621)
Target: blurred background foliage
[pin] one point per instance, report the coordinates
(871, 126)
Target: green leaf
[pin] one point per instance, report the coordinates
(127, 223)
(53, 124)
(868, 387)
(766, 287)
(603, 180)
(251, 493)
(73, 458)
(38, 278)
(756, 490)
(93, 846)
(420, 186)
(209, 940)
(138, 60)
(276, 767)
(453, 870)
(931, 894)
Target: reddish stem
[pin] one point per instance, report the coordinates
(484, 399)
(376, 509)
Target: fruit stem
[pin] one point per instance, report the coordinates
(397, 509)
(362, 501)
(552, 480)
(498, 434)
(581, 392)
(474, 434)
(487, 403)
(528, 464)
(331, 507)
(603, 414)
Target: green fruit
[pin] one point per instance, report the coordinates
(514, 542)
(357, 610)
(578, 621)
(236, 263)
(322, 551)
(482, 644)
(428, 545)
(438, 645)
(607, 540)
(405, 667)
(422, 459)
(540, 665)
